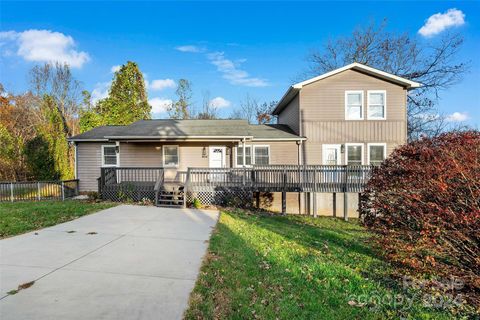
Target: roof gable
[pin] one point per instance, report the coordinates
(294, 89)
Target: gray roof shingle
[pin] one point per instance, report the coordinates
(171, 129)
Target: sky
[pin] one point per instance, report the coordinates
(228, 50)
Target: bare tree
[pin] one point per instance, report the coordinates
(182, 108)
(247, 110)
(57, 82)
(264, 112)
(209, 111)
(433, 63)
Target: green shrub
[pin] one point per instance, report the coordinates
(197, 204)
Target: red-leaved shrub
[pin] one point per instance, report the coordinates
(424, 201)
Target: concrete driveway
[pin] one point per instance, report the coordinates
(127, 262)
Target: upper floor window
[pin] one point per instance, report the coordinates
(377, 153)
(377, 104)
(354, 154)
(109, 156)
(354, 105)
(170, 156)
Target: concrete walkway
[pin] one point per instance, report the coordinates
(127, 262)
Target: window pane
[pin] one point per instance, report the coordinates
(248, 156)
(354, 98)
(261, 155)
(376, 98)
(376, 111)
(377, 154)
(354, 112)
(171, 155)
(110, 156)
(354, 155)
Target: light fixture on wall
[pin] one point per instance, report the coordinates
(204, 152)
(342, 148)
(117, 146)
(227, 152)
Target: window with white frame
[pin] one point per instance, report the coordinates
(354, 154)
(109, 156)
(262, 155)
(170, 156)
(353, 105)
(377, 152)
(248, 156)
(377, 104)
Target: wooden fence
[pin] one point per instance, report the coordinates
(38, 190)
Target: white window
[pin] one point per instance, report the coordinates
(248, 156)
(354, 105)
(110, 156)
(262, 155)
(377, 104)
(170, 156)
(377, 153)
(354, 154)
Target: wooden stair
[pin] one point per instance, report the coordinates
(171, 198)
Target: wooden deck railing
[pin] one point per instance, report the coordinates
(282, 178)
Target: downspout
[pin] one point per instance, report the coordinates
(243, 149)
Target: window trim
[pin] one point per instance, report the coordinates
(362, 106)
(255, 153)
(117, 153)
(178, 156)
(251, 156)
(383, 144)
(369, 117)
(354, 144)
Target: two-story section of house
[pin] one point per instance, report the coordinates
(352, 115)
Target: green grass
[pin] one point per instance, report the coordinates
(296, 267)
(21, 217)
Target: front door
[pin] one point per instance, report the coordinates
(216, 157)
(331, 154)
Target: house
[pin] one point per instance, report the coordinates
(354, 115)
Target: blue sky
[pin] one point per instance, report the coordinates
(229, 49)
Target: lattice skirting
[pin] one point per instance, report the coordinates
(221, 196)
(126, 192)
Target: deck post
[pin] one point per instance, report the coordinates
(284, 202)
(359, 198)
(38, 191)
(314, 204)
(257, 199)
(11, 191)
(334, 204)
(345, 206)
(63, 191)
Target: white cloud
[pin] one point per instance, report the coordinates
(219, 102)
(233, 73)
(160, 105)
(45, 46)
(115, 68)
(458, 117)
(441, 21)
(100, 91)
(190, 48)
(161, 84)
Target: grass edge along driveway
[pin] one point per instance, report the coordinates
(295, 267)
(21, 217)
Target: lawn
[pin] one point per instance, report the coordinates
(21, 217)
(296, 267)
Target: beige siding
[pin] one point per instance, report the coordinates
(290, 115)
(322, 113)
(140, 155)
(89, 162)
(281, 152)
